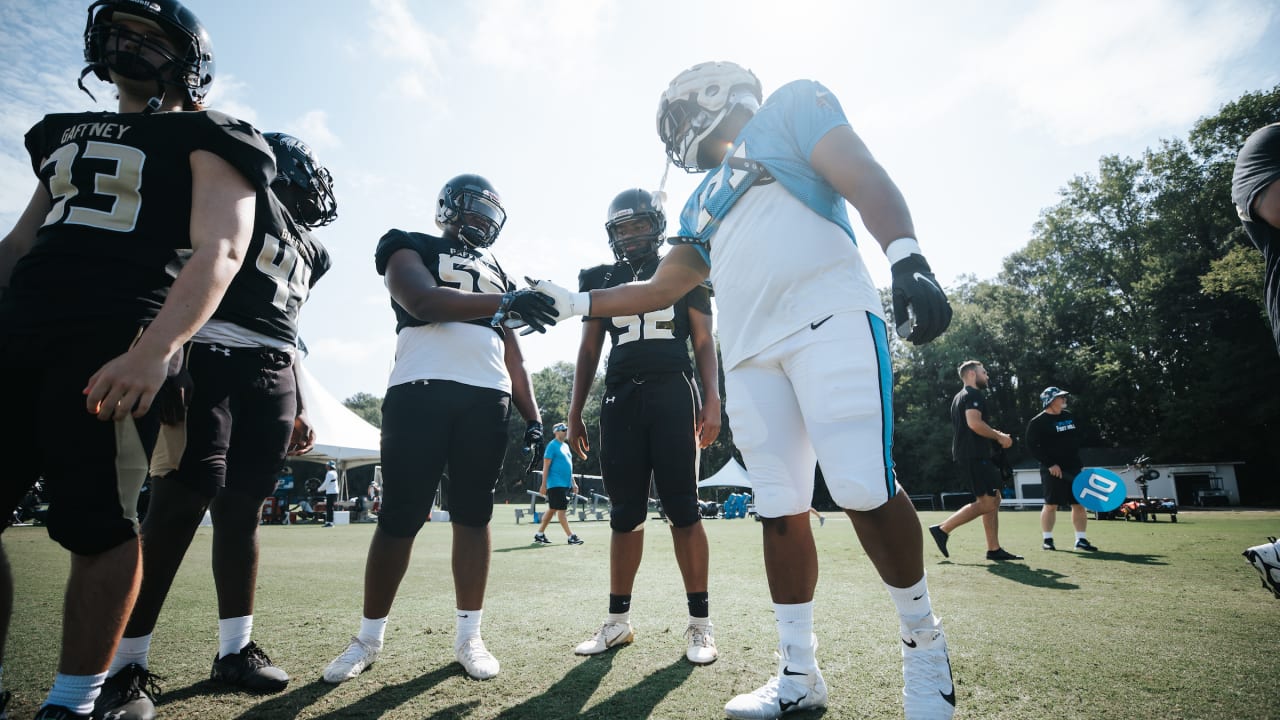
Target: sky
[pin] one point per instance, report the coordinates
(979, 111)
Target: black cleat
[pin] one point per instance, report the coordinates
(250, 669)
(1083, 544)
(130, 694)
(57, 712)
(1048, 544)
(1002, 554)
(940, 536)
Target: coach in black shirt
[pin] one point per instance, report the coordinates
(1053, 437)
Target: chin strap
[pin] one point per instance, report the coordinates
(80, 82)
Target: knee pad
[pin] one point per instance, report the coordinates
(682, 510)
(401, 524)
(627, 518)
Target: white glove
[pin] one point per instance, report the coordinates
(567, 303)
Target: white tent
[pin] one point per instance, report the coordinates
(341, 435)
(731, 475)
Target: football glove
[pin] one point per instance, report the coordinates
(920, 308)
(527, 309)
(567, 303)
(532, 444)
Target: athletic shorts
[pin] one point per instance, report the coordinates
(647, 434)
(558, 498)
(239, 420)
(92, 470)
(1057, 491)
(982, 476)
(428, 425)
(823, 396)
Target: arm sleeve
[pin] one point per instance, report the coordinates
(1034, 442)
(699, 299)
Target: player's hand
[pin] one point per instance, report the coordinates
(567, 303)
(533, 444)
(920, 307)
(1006, 441)
(126, 385)
(303, 438)
(527, 309)
(1056, 471)
(708, 427)
(577, 438)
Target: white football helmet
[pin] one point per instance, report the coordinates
(697, 101)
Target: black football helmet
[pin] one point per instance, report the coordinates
(469, 207)
(302, 183)
(193, 61)
(636, 226)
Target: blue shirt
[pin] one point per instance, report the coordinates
(560, 472)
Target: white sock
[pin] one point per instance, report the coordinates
(619, 618)
(372, 632)
(76, 692)
(468, 626)
(1079, 535)
(233, 634)
(703, 621)
(130, 651)
(795, 633)
(914, 607)
(1048, 536)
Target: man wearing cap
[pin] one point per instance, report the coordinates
(557, 483)
(1053, 437)
(329, 488)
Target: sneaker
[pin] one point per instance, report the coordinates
(940, 537)
(1084, 544)
(790, 690)
(250, 669)
(1266, 560)
(57, 712)
(928, 691)
(130, 694)
(541, 538)
(328, 524)
(610, 635)
(351, 662)
(575, 540)
(1002, 554)
(476, 659)
(1048, 544)
(821, 521)
(702, 646)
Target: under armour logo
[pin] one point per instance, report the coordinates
(226, 352)
(609, 399)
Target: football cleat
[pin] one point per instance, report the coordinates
(792, 689)
(702, 645)
(940, 537)
(130, 694)
(928, 692)
(1266, 560)
(1085, 545)
(610, 635)
(251, 669)
(476, 659)
(541, 539)
(1048, 544)
(57, 712)
(1002, 554)
(354, 660)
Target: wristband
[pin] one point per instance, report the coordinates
(902, 247)
(503, 307)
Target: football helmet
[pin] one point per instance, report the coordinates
(469, 206)
(106, 47)
(302, 183)
(636, 225)
(697, 101)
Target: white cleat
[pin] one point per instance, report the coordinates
(351, 662)
(790, 690)
(702, 646)
(610, 635)
(1266, 560)
(928, 691)
(476, 659)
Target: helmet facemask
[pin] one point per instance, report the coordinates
(695, 105)
(479, 219)
(635, 238)
(183, 61)
(302, 184)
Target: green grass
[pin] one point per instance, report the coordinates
(1167, 622)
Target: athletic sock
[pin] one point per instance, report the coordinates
(372, 632)
(699, 604)
(1048, 536)
(619, 604)
(76, 692)
(914, 606)
(233, 634)
(795, 633)
(130, 651)
(468, 626)
(621, 618)
(1079, 535)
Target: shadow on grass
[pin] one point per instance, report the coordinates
(566, 697)
(1135, 558)
(1035, 577)
(640, 700)
(374, 704)
(531, 546)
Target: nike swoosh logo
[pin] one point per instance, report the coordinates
(785, 705)
(788, 671)
(922, 278)
(951, 696)
(916, 598)
(909, 643)
(815, 326)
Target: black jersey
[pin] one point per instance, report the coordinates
(452, 263)
(651, 342)
(965, 443)
(1257, 166)
(1055, 440)
(121, 187)
(283, 263)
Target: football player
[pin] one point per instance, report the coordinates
(651, 423)
(457, 372)
(805, 346)
(244, 415)
(94, 314)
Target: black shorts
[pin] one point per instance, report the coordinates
(646, 432)
(982, 476)
(558, 498)
(92, 470)
(1057, 491)
(427, 425)
(239, 420)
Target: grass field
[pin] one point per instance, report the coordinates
(1167, 621)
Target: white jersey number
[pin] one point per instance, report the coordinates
(123, 186)
(656, 325)
(467, 275)
(280, 262)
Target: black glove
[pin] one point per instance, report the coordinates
(525, 308)
(532, 444)
(915, 286)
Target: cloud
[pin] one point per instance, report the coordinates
(540, 37)
(313, 128)
(227, 95)
(399, 37)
